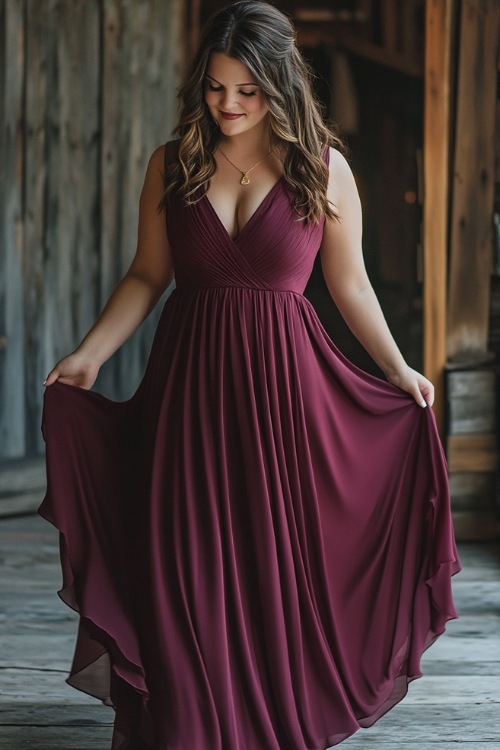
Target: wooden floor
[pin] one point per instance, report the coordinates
(457, 703)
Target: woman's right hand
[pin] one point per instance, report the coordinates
(75, 369)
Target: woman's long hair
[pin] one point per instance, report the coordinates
(263, 39)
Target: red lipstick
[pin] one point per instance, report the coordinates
(229, 116)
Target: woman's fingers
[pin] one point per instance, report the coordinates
(73, 370)
(424, 392)
(51, 377)
(427, 391)
(417, 386)
(418, 396)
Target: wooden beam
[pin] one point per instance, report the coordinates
(377, 53)
(438, 33)
(473, 186)
(390, 20)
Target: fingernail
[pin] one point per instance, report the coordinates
(44, 382)
(423, 404)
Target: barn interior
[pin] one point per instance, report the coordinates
(88, 90)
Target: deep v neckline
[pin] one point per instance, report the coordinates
(252, 217)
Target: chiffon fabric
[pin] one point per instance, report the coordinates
(259, 542)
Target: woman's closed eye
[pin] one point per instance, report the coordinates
(211, 87)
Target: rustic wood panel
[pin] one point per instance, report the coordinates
(473, 491)
(350, 42)
(472, 453)
(61, 180)
(476, 526)
(391, 24)
(471, 401)
(412, 43)
(138, 107)
(12, 411)
(88, 88)
(439, 29)
(497, 131)
(473, 184)
(37, 273)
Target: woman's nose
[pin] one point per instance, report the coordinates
(228, 99)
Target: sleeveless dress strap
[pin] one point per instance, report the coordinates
(170, 155)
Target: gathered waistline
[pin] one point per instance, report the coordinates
(234, 286)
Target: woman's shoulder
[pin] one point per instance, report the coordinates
(337, 160)
(340, 169)
(166, 153)
(341, 183)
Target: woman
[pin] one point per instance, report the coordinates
(259, 541)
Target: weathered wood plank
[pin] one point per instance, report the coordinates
(138, 111)
(471, 626)
(391, 24)
(471, 401)
(47, 714)
(405, 61)
(22, 475)
(481, 562)
(59, 185)
(458, 667)
(478, 598)
(22, 486)
(71, 229)
(37, 303)
(476, 526)
(473, 187)
(27, 686)
(477, 649)
(23, 503)
(438, 35)
(412, 43)
(472, 453)
(55, 739)
(416, 724)
(22, 651)
(439, 690)
(473, 491)
(12, 372)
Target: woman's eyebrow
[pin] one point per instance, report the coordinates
(238, 84)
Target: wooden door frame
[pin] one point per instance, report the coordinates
(437, 151)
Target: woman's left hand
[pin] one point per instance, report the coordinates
(415, 384)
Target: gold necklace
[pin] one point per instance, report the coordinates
(244, 175)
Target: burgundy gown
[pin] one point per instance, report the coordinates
(259, 541)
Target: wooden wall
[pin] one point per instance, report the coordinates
(471, 224)
(87, 91)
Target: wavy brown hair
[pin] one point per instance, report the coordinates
(263, 39)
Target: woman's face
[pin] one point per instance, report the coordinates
(233, 97)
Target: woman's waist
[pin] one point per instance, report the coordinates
(234, 289)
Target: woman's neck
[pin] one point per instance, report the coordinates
(252, 142)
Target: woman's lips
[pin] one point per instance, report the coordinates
(229, 116)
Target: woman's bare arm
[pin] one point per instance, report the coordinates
(347, 280)
(150, 273)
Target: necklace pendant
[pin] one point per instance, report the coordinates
(244, 180)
